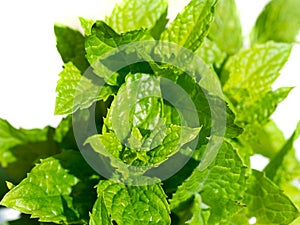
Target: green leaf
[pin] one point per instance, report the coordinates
(103, 40)
(191, 26)
(277, 161)
(199, 215)
(261, 109)
(79, 92)
(155, 149)
(284, 168)
(56, 190)
(210, 53)
(160, 25)
(207, 104)
(136, 14)
(87, 25)
(131, 205)
(20, 148)
(248, 80)
(265, 139)
(279, 22)
(266, 202)
(70, 44)
(226, 30)
(220, 186)
(99, 215)
(138, 101)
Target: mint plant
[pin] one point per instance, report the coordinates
(161, 119)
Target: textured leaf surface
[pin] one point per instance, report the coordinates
(70, 44)
(249, 77)
(104, 39)
(279, 21)
(284, 168)
(136, 14)
(131, 205)
(59, 189)
(79, 92)
(264, 139)
(266, 202)
(151, 151)
(191, 26)
(220, 186)
(226, 30)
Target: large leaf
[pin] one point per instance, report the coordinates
(191, 26)
(59, 190)
(136, 14)
(220, 186)
(70, 44)
(266, 203)
(226, 30)
(279, 21)
(248, 80)
(131, 205)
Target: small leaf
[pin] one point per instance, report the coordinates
(79, 92)
(87, 25)
(70, 44)
(136, 14)
(191, 26)
(226, 30)
(279, 22)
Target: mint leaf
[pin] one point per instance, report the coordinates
(99, 215)
(104, 39)
(136, 14)
(130, 205)
(220, 186)
(248, 80)
(277, 161)
(87, 25)
(70, 44)
(260, 110)
(284, 168)
(226, 30)
(191, 26)
(266, 202)
(79, 92)
(157, 148)
(279, 21)
(266, 139)
(19, 144)
(200, 216)
(56, 190)
(138, 100)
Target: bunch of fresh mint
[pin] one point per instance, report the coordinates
(162, 118)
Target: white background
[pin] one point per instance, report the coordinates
(30, 62)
